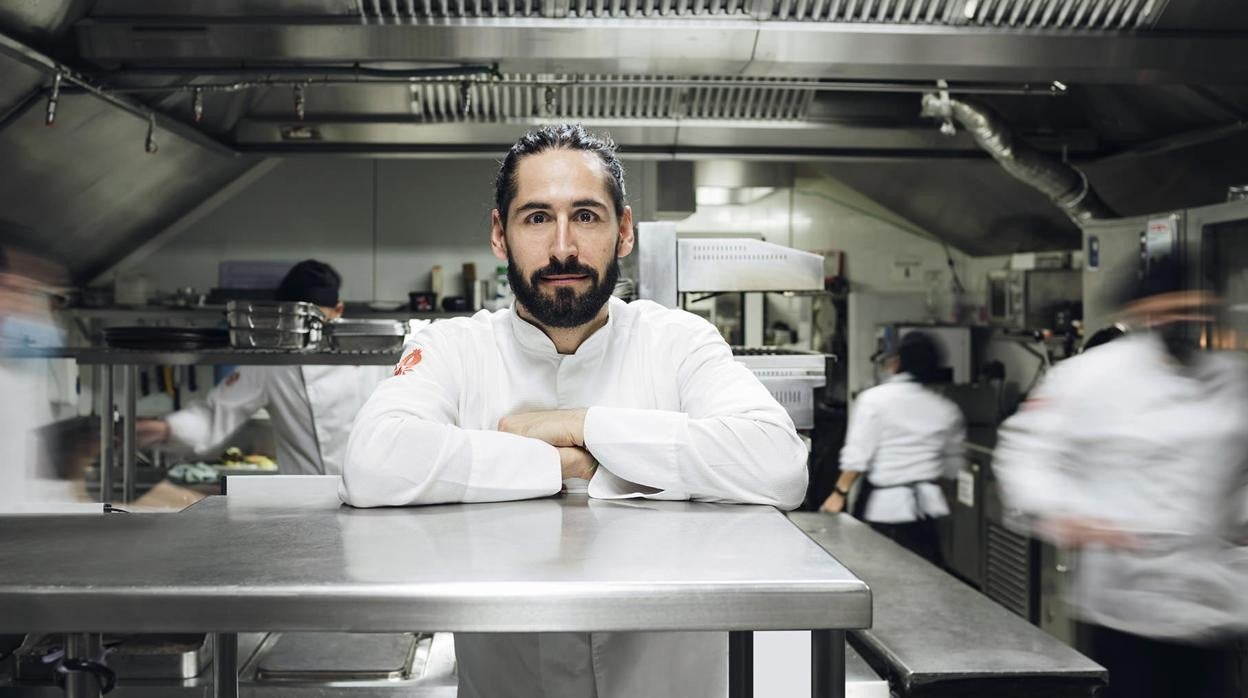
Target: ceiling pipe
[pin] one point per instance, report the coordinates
(1065, 185)
(69, 77)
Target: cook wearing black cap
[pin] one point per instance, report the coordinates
(313, 282)
(311, 407)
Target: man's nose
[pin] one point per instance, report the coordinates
(565, 241)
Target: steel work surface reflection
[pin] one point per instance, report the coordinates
(560, 564)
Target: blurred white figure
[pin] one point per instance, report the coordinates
(1136, 454)
(26, 285)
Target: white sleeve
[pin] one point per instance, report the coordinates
(731, 441)
(203, 427)
(406, 446)
(862, 436)
(1033, 459)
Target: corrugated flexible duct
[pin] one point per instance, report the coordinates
(1066, 186)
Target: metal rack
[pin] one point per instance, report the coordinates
(129, 362)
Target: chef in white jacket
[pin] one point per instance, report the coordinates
(311, 407)
(905, 437)
(569, 385)
(1135, 453)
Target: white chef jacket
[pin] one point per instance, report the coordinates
(902, 433)
(671, 416)
(1123, 434)
(311, 408)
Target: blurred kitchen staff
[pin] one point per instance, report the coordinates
(904, 437)
(1136, 454)
(311, 407)
(28, 283)
(571, 384)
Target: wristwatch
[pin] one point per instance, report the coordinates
(843, 493)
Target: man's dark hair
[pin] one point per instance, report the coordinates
(566, 136)
(310, 281)
(920, 356)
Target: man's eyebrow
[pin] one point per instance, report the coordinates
(588, 203)
(533, 206)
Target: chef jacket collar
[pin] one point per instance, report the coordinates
(533, 339)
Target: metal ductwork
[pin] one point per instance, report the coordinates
(1065, 185)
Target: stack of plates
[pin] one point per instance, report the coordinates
(166, 338)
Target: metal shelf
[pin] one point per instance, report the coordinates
(233, 357)
(124, 313)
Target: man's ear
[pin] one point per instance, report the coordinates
(498, 240)
(627, 237)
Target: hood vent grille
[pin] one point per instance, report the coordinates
(1094, 15)
(551, 97)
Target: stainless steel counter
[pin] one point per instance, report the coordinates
(934, 635)
(557, 564)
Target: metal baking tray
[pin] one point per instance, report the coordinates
(338, 657)
(274, 321)
(274, 308)
(366, 335)
(275, 339)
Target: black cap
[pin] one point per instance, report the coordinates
(919, 355)
(310, 281)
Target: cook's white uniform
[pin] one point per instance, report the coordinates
(1121, 433)
(904, 437)
(311, 407)
(671, 416)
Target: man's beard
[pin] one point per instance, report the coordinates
(565, 308)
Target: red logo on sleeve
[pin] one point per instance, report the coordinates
(407, 363)
(232, 378)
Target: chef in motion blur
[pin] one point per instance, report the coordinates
(311, 407)
(904, 437)
(1135, 453)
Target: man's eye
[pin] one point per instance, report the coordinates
(586, 216)
(537, 218)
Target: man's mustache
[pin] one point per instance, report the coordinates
(566, 267)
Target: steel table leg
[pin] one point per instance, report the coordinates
(741, 664)
(225, 665)
(129, 378)
(107, 456)
(82, 684)
(827, 664)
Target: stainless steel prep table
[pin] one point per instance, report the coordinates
(933, 635)
(564, 563)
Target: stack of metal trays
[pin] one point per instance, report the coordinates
(268, 325)
(165, 338)
(366, 335)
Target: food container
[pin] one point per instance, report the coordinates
(275, 339)
(266, 325)
(366, 335)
